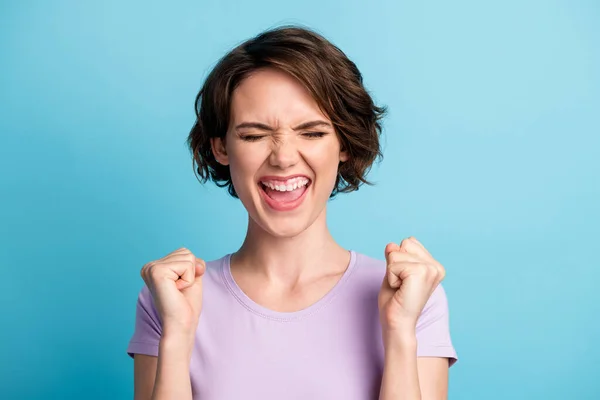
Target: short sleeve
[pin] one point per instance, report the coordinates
(148, 328)
(433, 330)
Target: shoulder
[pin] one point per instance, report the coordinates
(367, 266)
(217, 282)
(367, 273)
(215, 268)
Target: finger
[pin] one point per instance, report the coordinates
(145, 274)
(194, 292)
(398, 271)
(200, 268)
(441, 271)
(179, 253)
(181, 250)
(420, 244)
(400, 256)
(176, 271)
(189, 257)
(424, 254)
(186, 279)
(412, 246)
(414, 239)
(427, 254)
(391, 247)
(177, 257)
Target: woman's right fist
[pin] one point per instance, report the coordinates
(175, 282)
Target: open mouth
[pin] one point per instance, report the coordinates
(284, 195)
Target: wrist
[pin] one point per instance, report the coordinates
(179, 330)
(177, 342)
(173, 367)
(399, 340)
(400, 325)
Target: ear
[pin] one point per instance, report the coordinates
(219, 151)
(344, 156)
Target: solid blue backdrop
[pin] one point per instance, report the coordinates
(491, 160)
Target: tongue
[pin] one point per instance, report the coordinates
(285, 197)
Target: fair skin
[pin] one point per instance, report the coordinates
(277, 129)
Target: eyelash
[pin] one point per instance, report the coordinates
(314, 134)
(255, 138)
(251, 138)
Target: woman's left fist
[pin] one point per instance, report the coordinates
(412, 275)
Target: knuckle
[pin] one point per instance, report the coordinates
(406, 242)
(395, 256)
(153, 271)
(442, 273)
(145, 269)
(393, 266)
(433, 272)
(181, 250)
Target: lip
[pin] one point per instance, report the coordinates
(282, 178)
(277, 205)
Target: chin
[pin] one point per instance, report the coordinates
(283, 220)
(283, 230)
(284, 225)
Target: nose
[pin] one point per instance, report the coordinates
(284, 152)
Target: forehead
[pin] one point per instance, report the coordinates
(274, 97)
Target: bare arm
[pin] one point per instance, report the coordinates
(408, 377)
(433, 377)
(175, 285)
(144, 375)
(411, 296)
(166, 376)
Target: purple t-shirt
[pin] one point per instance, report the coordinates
(331, 350)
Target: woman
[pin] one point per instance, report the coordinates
(284, 122)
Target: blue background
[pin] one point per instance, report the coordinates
(491, 160)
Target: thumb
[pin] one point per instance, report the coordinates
(200, 270)
(194, 292)
(390, 248)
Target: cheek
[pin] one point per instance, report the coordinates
(325, 161)
(243, 165)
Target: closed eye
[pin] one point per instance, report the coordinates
(314, 134)
(251, 138)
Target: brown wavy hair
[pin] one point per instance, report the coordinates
(332, 79)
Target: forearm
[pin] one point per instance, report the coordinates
(400, 379)
(173, 369)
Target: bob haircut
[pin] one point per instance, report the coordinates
(323, 69)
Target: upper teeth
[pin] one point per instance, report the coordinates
(289, 185)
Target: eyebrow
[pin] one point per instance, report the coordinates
(265, 127)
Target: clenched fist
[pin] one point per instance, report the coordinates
(411, 277)
(175, 282)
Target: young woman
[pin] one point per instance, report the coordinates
(284, 122)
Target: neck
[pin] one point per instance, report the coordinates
(290, 260)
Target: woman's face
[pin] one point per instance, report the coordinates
(282, 151)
